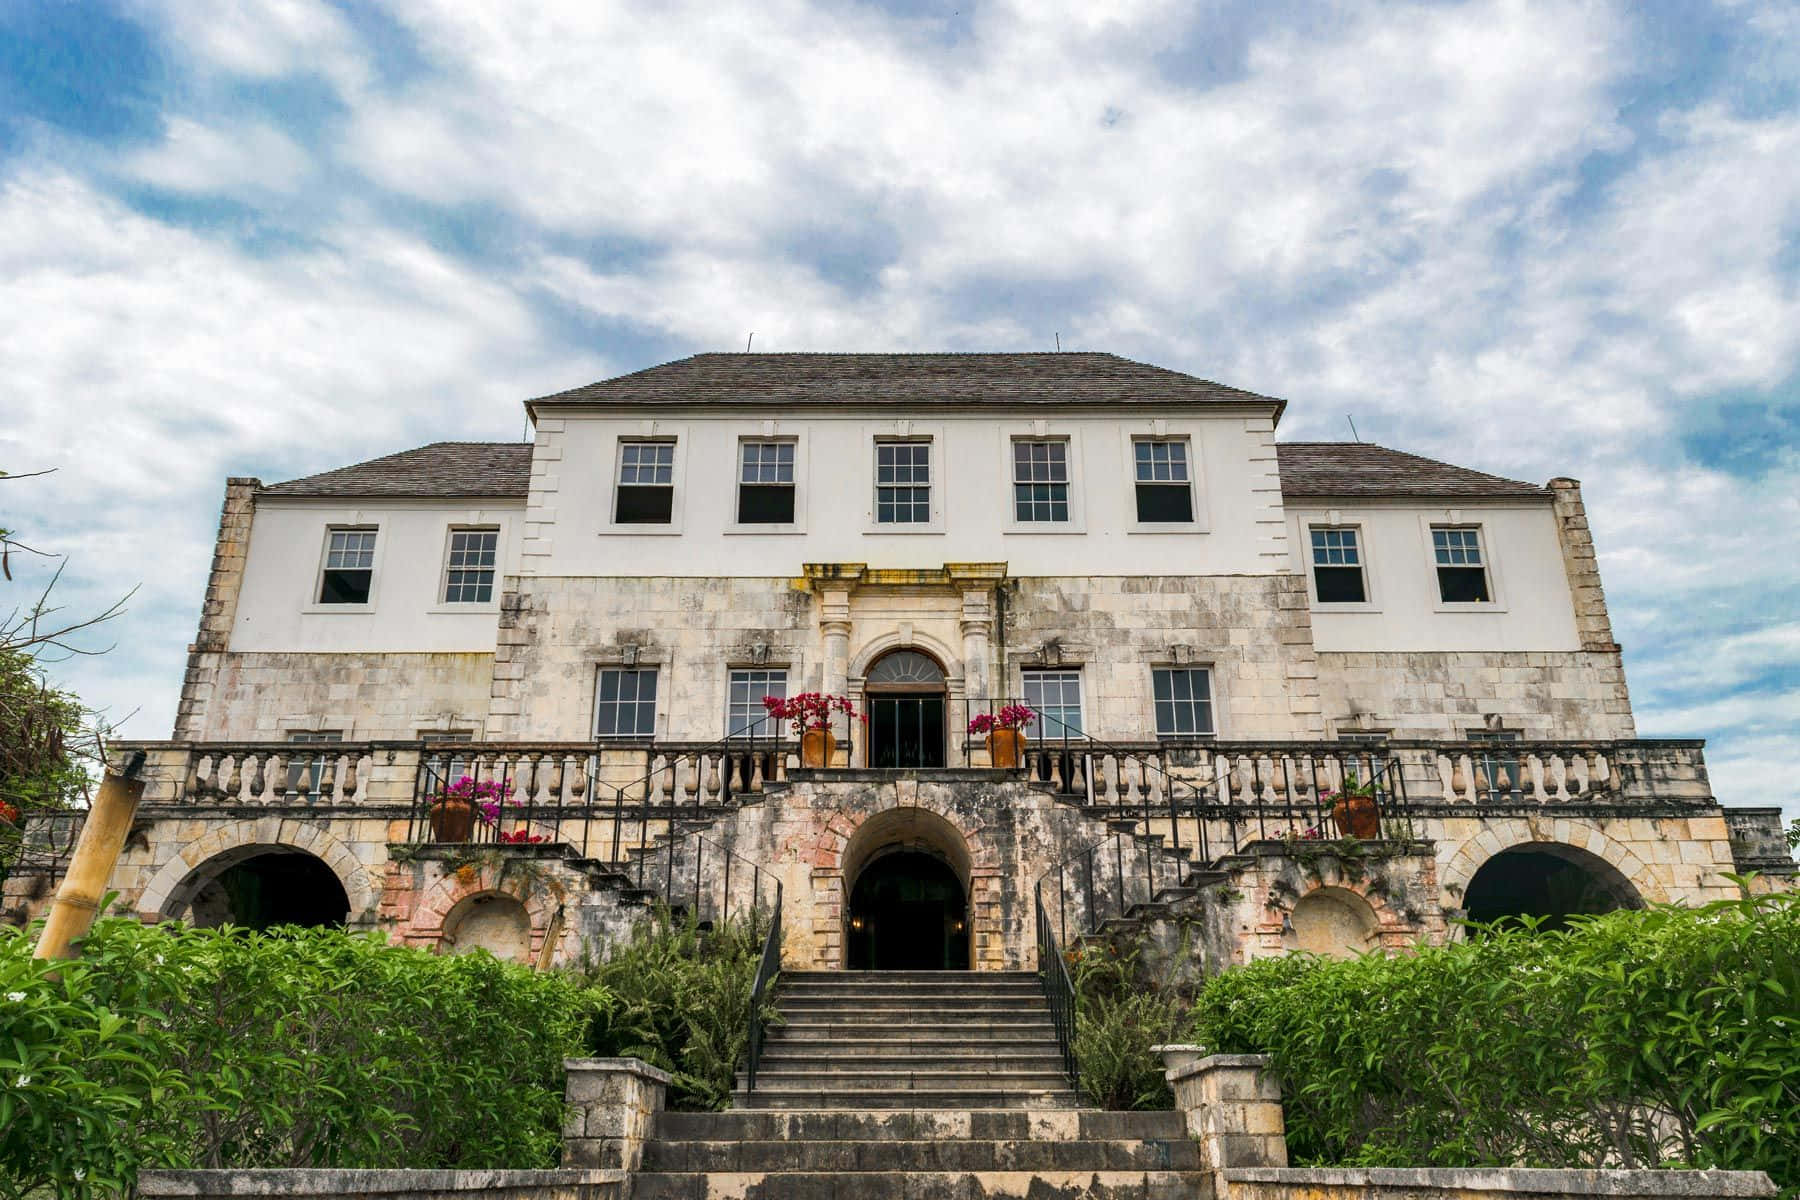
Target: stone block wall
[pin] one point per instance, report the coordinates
(265, 696)
(1568, 696)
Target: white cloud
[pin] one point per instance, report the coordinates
(248, 157)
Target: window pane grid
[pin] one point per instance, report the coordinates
(903, 483)
(647, 463)
(351, 550)
(1056, 695)
(744, 707)
(625, 704)
(1335, 548)
(1456, 547)
(767, 462)
(1040, 481)
(469, 578)
(1161, 461)
(1183, 700)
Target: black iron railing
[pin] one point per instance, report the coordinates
(1058, 987)
(766, 973)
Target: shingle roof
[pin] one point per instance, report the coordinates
(1363, 469)
(448, 469)
(913, 380)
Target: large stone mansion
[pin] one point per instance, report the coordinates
(1223, 636)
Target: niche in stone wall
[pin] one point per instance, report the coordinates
(498, 924)
(1334, 922)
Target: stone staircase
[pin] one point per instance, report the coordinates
(911, 1039)
(915, 1086)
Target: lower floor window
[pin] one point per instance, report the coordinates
(1056, 695)
(310, 767)
(625, 703)
(745, 715)
(1183, 696)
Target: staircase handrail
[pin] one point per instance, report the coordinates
(766, 972)
(1059, 989)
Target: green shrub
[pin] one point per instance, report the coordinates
(1120, 1012)
(1659, 1037)
(680, 1000)
(176, 1047)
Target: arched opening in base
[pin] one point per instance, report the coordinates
(908, 912)
(1549, 881)
(264, 887)
(1332, 922)
(492, 922)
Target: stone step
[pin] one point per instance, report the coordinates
(832, 1026)
(920, 1185)
(883, 977)
(913, 1078)
(794, 1059)
(964, 985)
(1035, 1042)
(948, 1124)
(885, 1009)
(783, 1096)
(924, 1155)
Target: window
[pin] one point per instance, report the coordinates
(744, 714)
(646, 493)
(1056, 695)
(311, 767)
(625, 703)
(1165, 494)
(1499, 771)
(349, 566)
(766, 483)
(1338, 566)
(1041, 480)
(442, 769)
(902, 483)
(1461, 570)
(1183, 701)
(469, 571)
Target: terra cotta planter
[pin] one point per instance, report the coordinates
(817, 748)
(1357, 817)
(1006, 748)
(451, 820)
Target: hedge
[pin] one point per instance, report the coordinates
(173, 1047)
(1666, 1037)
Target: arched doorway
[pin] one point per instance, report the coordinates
(1547, 880)
(908, 912)
(907, 699)
(263, 886)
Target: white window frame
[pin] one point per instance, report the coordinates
(308, 737)
(1044, 730)
(354, 525)
(1072, 460)
(772, 730)
(1201, 522)
(1214, 701)
(798, 525)
(444, 603)
(939, 481)
(1368, 602)
(656, 707)
(1455, 519)
(456, 767)
(676, 436)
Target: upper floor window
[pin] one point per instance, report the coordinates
(1461, 567)
(469, 568)
(1056, 695)
(349, 571)
(765, 483)
(1337, 566)
(646, 491)
(902, 483)
(745, 715)
(625, 702)
(1184, 705)
(1041, 480)
(1165, 487)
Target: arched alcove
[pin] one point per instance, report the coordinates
(907, 697)
(1331, 921)
(906, 874)
(257, 887)
(493, 922)
(1548, 880)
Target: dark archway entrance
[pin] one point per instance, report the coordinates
(907, 700)
(908, 912)
(1549, 881)
(271, 887)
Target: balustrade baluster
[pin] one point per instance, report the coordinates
(328, 779)
(712, 773)
(350, 780)
(1459, 779)
(234, 781)
(756, 770)
(1559, 778)
(304, 785)
(259, 780)
(1531, 777)
(1055, 779)
(1077, 780)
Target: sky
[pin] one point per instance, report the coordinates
(1537, 239)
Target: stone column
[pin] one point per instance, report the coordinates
(1233, 1107)
(834, 623)
(977, 627)
(611, 1108)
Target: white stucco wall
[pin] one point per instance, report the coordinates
(570, 531)
(278, 611)
(1532, 608)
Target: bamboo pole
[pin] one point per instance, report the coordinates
(103, 834)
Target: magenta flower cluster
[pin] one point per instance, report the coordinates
(1013, 716)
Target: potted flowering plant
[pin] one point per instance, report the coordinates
(1005, 732)
(810, 715)
(454, 807)
(9, 813)
(1353, 808)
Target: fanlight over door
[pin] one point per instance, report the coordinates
(907, 705)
